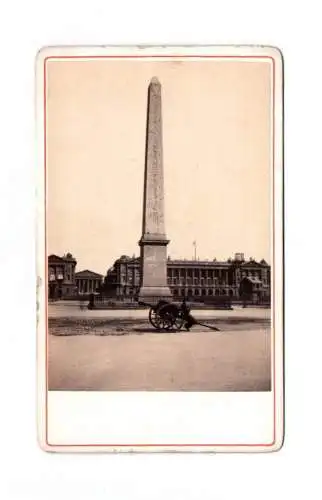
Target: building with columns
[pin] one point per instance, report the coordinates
(64, 282)
(88, 282)
(196, 278)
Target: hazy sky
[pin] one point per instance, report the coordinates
(216, 149)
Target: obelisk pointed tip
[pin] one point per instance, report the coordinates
(154, 81)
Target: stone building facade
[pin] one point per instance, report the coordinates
(88, 282)
(61, 276)
(64, 282)
(196, 278)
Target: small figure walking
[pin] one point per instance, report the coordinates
(91, 304)
(82, 304)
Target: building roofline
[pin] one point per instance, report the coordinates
(88, 271)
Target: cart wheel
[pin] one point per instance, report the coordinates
(169, 314)
(161, 320)
(166, 321)
(154, 318)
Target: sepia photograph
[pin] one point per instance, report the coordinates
(159, 225)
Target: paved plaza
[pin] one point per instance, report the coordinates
(119, 350)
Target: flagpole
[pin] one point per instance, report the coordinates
(195, 245)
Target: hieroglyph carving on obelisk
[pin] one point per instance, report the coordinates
(153, 242)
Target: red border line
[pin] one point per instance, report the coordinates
(273, 267)
(46, 257)
(155, 56)
(145, 56)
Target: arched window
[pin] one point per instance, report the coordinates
(203, 292)
(196, 291)
(223, 292)
(217, 292)
(210, 291)
(231, 292)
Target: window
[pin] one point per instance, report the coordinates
(59, 273)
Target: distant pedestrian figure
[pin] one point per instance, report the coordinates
(91, 304)
(82, 304)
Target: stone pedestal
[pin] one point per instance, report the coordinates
(153, 242)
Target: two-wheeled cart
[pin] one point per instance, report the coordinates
(167, 315)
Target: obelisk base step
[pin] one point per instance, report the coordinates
(152, 294)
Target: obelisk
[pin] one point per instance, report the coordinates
(153, 241)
